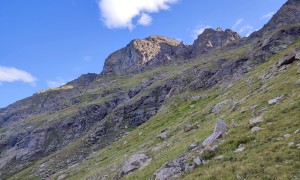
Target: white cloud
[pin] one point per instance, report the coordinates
(11, 74)
(246, 30)
(267, 16)
(57, 83)
(237, 23)
(145, 20)
(199, 30)
(120, 13)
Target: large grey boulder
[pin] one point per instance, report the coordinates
(220, 129)
(134, 163)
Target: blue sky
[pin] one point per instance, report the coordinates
(47, 43)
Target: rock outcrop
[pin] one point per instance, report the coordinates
(212, 39)
(142, 53)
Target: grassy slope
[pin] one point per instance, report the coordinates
(264, 156)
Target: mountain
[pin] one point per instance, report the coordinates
(223, 107)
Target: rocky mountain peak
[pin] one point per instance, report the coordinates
(211, 39)
(139, 52)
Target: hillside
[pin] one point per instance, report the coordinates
(223, 107)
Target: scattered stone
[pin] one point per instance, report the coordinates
(275, 100)
(256, 129)
(220, 129)
(297, 83)
(256, 120)
(298, 146)
(134, 163)
(192, 106)
(269, 123)
(219, 157)
(239, 150)
(297, 131)
(163, 135)
(262, 110)
(198, 161)
(219, 106)
(290, 144)
(193, 145)
(188, 127)
(233, 124)
(172, 169)
(287, 136)
(298, 69)
(279, 139)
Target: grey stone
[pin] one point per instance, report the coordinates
(220, 129)
(233, 124)
(290, 144)
(297, 131)
(219, 106)
(193, 145)
(219, 157)
(297, 83)
(134, 163)
(198, 161)
(256, 129)
(275, 100)
(163, 135)
(239, 150)
(256, 120)
(287, 136)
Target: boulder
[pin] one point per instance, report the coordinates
(134, 163)
(275, 100)
(217, 108)
(256, 120)
(287, 59)
(220, 129)
(172, 169)
(198, 161)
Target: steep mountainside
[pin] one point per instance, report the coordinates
(223, 107)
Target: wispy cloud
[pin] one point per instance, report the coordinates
(11, 74)
(246, 30)
(237, 23)
(120, 13)
(56, 83)
(267, 16)
(199, 30)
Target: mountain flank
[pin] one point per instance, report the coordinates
(223, 107)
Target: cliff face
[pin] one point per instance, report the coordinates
(139, 54)
(161, 97)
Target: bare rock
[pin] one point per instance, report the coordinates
(219, 157)
(297, 83)
(233, 124)
(193, 145)
(163, 135)
(290, 144)
(275, 100)
(256, 129)
(198, 161)
(239, 150)
(134, 163)
(217, 108)
(297, 131)
(256, 120)
(220, 129)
